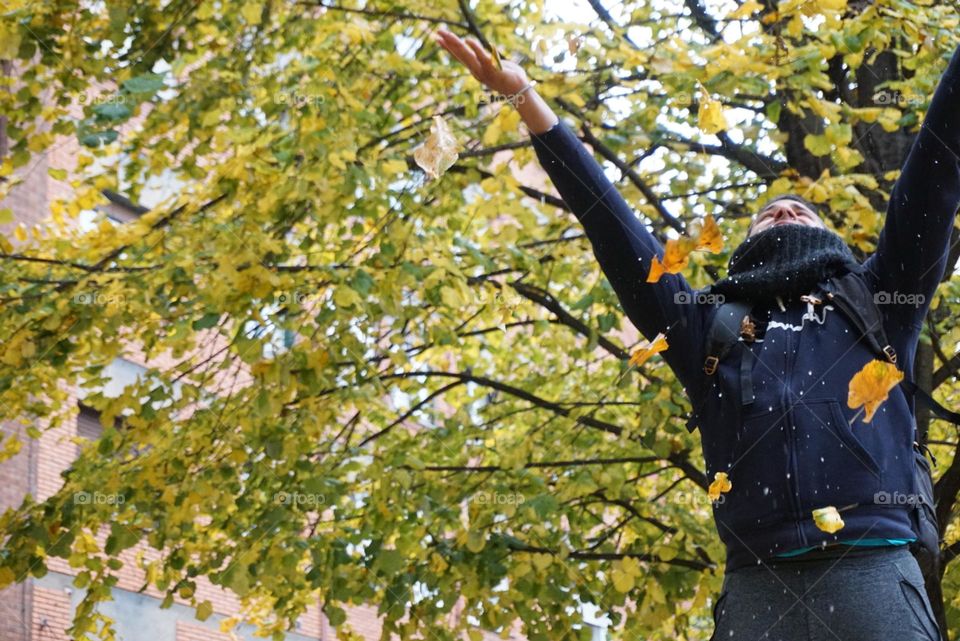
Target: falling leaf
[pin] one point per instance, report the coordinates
(440, 150)
(828, 519)
(745, 10)
(720, 485)
(710, 116)
(648, 349)
(675, 258)
(496, 56)
(870, 386)
(708, 236)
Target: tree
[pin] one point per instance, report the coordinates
(457, 417)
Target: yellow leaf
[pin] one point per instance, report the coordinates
(708, 236)
(745, 10)
(675, 257)
(720, 485)
(622, 581)
(476, 541)
(871, 385)
(656, 270)
(9, 40)
(204, 610)
(439, 151)
(251, 12)
(6, 577)
(831, 5)
(710, 116)
(828, 519)
(394, 166)
(28, 349)
(496, 56)
(542, 561)
(648, 349)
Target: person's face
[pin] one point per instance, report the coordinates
(785, 212)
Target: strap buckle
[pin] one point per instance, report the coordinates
(710, 365)
(748, 329)
(890, 353)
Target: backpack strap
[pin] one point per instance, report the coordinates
(723, 334)
(851, 294)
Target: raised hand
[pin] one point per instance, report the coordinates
(507, 80)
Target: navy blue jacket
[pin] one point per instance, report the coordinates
(793, 449)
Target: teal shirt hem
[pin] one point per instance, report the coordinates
(864, 542)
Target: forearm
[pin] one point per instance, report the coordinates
(535, 112)
(624, 248)
(911, 251)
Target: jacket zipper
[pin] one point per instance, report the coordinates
(794, 483)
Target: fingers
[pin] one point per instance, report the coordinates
(481, 54)
(452, 43)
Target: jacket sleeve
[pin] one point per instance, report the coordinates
(911, 253)
(624, 248)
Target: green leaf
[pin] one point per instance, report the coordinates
(112, 111)
(207, 321)
(99, 138)
(148, 83)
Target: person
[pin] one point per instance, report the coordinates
(795, 447)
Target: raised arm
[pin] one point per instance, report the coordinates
(622, 244)
(911, 253)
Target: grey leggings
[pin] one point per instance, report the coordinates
(869, 594)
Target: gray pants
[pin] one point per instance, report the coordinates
(869, 594)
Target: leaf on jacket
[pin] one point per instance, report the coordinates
(828, 519)
(648, 349)
(720, 485)
(676, 255)
(440, 150)
(871, 385)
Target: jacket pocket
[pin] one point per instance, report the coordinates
(758, 471)
(833, 466)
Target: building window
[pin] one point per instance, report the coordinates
(88, 423)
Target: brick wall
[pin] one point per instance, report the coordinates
(191, 632)
(51, 615)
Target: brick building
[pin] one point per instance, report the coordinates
(40, 609)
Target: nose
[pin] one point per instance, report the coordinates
(784, 212)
